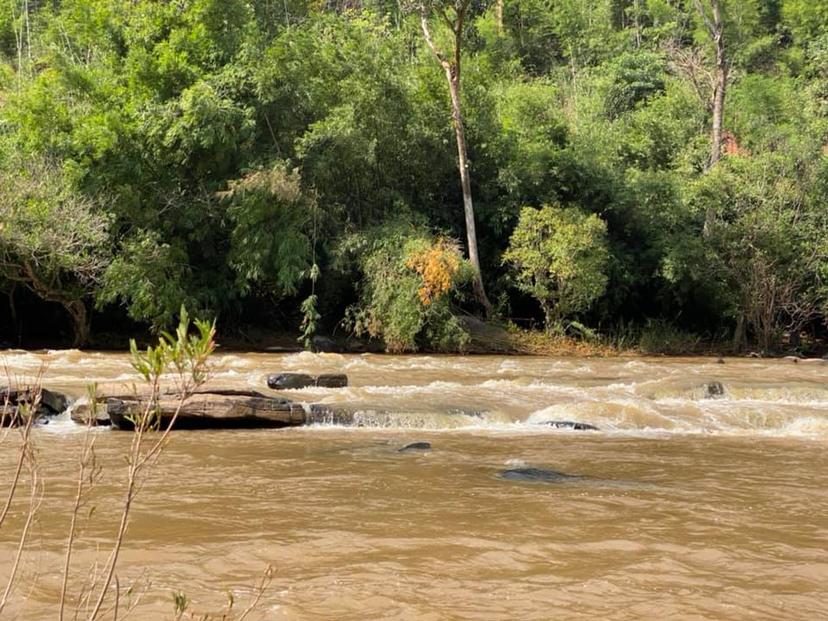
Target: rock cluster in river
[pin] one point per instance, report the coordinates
(215, 408)
(16, 403)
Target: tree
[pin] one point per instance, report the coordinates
(766, 247)
(270, 216)
(53, 240)
(711, 14)
(454, 14)
(560, 258)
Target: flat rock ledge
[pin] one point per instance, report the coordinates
(220, 409)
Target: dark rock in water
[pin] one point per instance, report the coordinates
(570, 424)
(714, 390)
(294, 381)
(537, 475)
(332, 380)
(720, 361)
(354, 345)
(290, 381)
(324, 344)
(416, 446)
(54, 401)
(465, 412)
(49, 403)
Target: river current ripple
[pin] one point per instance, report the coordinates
(690, 507)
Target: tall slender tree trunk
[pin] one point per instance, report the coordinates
(720, 85)
(637, 22)
(499, 16)
(715, 27)
(452, 71)
(465, 183)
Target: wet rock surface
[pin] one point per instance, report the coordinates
(15, 401)
(714, 390)
(415, 446)
(570, 424)
(537, 475)
(295, 381)
(82, 412)
(209, 410)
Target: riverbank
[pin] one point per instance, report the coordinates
(485, 338)
(503, 338)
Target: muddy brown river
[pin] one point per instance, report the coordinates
(690, 505)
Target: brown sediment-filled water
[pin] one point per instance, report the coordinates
(690, 507)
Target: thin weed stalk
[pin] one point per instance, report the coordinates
(89, 472)
(186, 357)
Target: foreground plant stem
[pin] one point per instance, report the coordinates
(187, 357)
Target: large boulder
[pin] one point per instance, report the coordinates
(325, 344)
(14, 402)
(290, 381)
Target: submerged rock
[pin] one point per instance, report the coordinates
(714, 390)
(294, 381)
(332, 380)
(570, 424)
(416, 446)
(537, 475)
(321, 414)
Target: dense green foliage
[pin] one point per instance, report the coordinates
(560, 257)
(407, 278)
(232, 155)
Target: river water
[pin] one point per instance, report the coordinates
(690, 507)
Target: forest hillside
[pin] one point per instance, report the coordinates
(588, 167)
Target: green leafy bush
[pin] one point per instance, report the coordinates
(560, 257)
(408, 278)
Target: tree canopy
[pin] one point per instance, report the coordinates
(229, 154)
